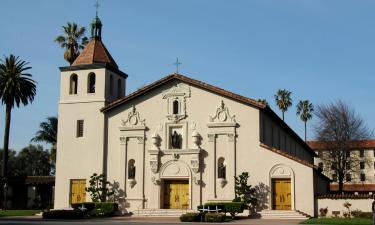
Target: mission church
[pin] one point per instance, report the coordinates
(174, 144)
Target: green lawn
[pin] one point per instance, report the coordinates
(339, 221)
(18, 212)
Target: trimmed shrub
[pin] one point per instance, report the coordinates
(190, 217)
(232, 208)
(214, 217)
(104, 209)
(64, 214)
(359, 214)
(89, 206)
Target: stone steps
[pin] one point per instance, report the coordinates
(282, 214)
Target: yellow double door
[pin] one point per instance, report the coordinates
(281, 194)
(77, 191)
(176, 194)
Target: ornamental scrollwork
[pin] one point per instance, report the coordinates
(222, 114)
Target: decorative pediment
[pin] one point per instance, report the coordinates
(133, 118)
(176, 101)
(222, 114)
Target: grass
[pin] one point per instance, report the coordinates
(4, 213)
(339, 221)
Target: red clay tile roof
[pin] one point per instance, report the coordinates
(355, 145)
(190, 81)
(95, 52)
(354, 187)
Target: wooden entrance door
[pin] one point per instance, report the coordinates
(176, 194)
(77, 191)
(281, 194)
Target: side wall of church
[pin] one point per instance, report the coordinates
(227, 129)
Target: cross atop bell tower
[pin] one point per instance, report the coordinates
(96, 25)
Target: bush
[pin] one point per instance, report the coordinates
(359, 214)
(64, 214)
(104, 209)
(323, 212)
(214, 217)
(228, 207)
(190, 217)
(88, 205)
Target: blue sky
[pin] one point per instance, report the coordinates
(320, 50)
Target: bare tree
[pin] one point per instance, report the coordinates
(338, 127)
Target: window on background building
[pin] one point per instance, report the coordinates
(119, 88)
(111, 84)
(221, 168)
(361, 153)
(131, 169)
(362, 165)
(373, 152)
(363, 177)
(348, 177)
(73, 84)
(91, 83)
(79, 128)
(334, 177)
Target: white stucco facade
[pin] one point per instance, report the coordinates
(139, 127)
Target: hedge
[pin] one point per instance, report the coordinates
(104, 209)
(93, 209)
(228, 207)
(64, 214)
(214, 217)
(190, 217)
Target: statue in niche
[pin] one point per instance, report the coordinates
(221, 169)
(176, 140)
(131, 170)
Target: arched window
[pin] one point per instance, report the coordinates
(131, 169)
(221, 168)
(91, 83)
(73, 84)
(175, 107)
(119, 88)
(111, 85)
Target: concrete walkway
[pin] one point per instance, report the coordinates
(136, 221)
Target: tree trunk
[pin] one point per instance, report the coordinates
(283, 115)
(305, 132)
(6, 141)
(341, 182)
(4, 171)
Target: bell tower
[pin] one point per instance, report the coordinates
(89, 84)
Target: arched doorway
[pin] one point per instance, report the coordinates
(175, 185)
(282, 188)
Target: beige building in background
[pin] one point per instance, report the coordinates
(174, 144)
(361, 178)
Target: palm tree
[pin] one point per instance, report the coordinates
(48, 133)
(16, 87)
(263, 101)
(304, 110)
(70, 41)
(283, 100)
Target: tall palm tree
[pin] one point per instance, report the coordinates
(48, 133)
(304, 110)
(73, 40)
(263, 101)
(283, 100)
(16, 87)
